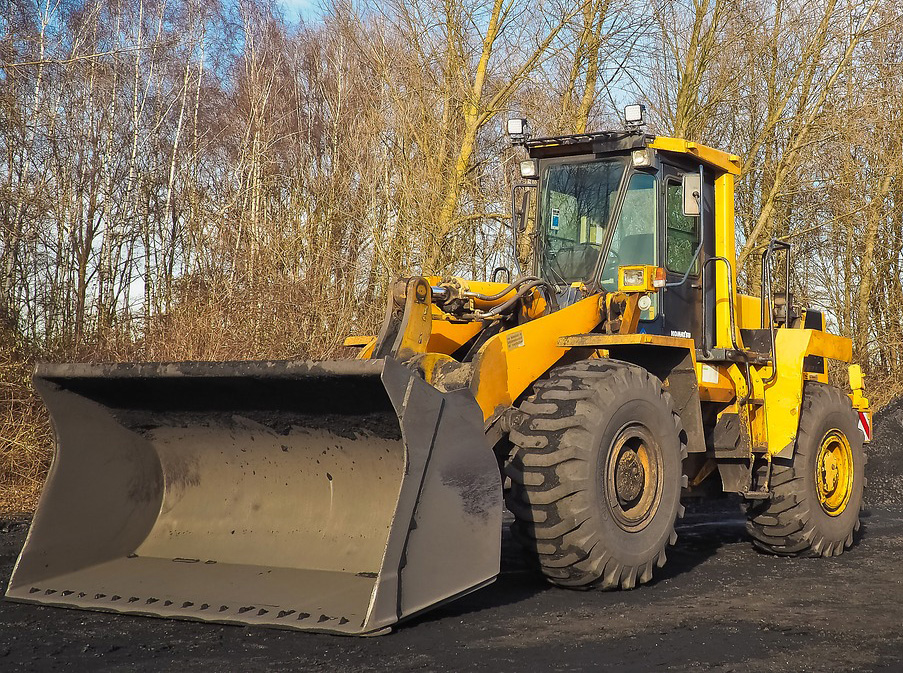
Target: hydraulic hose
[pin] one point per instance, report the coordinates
(498, 295)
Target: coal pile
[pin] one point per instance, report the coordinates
(885, 467)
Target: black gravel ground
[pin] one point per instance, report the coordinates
(885, 474)
(718, 606)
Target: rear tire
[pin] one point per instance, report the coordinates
(817, 495)
(596, 475)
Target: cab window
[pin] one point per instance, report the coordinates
(683, 232)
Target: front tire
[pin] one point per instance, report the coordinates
(817, 496)
(596, 475)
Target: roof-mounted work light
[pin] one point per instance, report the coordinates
(635, 116)
(518, 130)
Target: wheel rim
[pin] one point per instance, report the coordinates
(633, 477)
(834, 472)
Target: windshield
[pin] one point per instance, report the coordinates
(577, 200)
(633, 240)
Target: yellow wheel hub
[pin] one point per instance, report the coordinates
(834, 473)
(634, 477)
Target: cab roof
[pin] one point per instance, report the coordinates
(623, 141)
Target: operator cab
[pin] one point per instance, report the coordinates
(611, 199)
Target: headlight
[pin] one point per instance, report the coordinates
(634, 278)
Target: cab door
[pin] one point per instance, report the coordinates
(682, 304)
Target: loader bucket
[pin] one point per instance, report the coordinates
(322, 496)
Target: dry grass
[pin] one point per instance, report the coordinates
(882, 389)
(281, 318)
(25, 437)
(18, 501)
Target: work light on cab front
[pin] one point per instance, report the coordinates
(528, 169)
(640, 278)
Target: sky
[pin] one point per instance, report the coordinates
(306, 8)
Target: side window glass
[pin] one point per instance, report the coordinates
(683, 233)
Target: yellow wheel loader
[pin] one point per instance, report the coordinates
(622, 375)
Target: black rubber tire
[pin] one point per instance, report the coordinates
(564, 440)
(793, 522)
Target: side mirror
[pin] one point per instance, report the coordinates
(692, 194)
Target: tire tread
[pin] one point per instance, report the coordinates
(550, 516)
